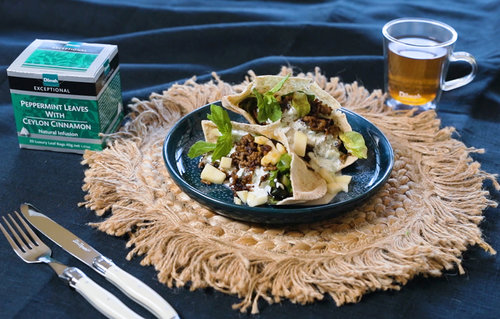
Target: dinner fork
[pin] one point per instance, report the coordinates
(33, 250)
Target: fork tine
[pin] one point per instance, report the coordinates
(10, 240)
(35, 238)
(20, 243)
(28, 240)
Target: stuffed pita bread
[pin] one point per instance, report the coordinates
(250, 160)
(305, 118)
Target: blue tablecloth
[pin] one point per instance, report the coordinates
(163, 42)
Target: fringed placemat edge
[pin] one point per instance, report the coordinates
(183, 257)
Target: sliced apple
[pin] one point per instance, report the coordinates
(270, 158)
(340, 184)
(226, 162)
(299, 143)
(256, 198)
(280, 148)
(261, 140)
(343, 181)
(212, 174)
(237, 201)
(242, 195)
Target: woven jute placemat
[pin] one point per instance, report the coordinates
(419, 223)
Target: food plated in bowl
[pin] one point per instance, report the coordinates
(258, 169)
(219, 160)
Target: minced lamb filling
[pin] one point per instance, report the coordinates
(324, 146)
(317, 119)
(247, 153)
(248, 173)
(247, 156)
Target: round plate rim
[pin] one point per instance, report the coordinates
(264, 211)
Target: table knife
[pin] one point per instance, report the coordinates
(130, 285)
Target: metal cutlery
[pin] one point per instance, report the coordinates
(130, 285)
(33, 250)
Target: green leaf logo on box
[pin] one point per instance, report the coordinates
(50, 80)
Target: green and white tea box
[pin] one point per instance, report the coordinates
(65, 94)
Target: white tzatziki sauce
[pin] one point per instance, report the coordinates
(325, 147)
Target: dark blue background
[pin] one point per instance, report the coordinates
(163, 42)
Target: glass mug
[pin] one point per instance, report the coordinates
(417, 54)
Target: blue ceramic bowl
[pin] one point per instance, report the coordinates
(368, 175)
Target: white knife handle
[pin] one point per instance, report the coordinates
(100, 298)
(140, 292)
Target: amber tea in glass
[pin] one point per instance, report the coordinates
(417, 53)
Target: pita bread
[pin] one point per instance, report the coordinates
(265, 83)
(307, 185)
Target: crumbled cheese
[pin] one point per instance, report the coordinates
(257, 197)
(225, 162)
(242, 195)
(207, 158)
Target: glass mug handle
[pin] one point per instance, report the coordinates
(466, 57)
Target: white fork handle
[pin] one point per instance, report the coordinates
(140, 292)
(100, 298)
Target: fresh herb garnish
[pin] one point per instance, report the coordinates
(354, 143)
(268, 106)
(200, 148)
(300, 101)
(223, 146)
(282, 175)
(284, 162)
(224, 142)
(220, 118)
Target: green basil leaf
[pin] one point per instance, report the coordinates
(354, 143)
(220, 118)
(274, 108)
(262, 109)
(260, 100)
(200, 148)
(223, 146)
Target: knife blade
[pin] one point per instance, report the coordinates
(130, 285)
